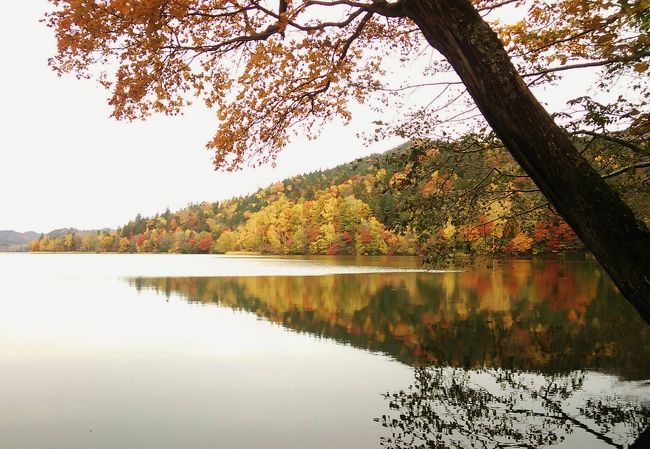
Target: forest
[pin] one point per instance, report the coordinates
(359, 208)
(446, 67)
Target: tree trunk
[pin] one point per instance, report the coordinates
(642, 441)
(605, 224)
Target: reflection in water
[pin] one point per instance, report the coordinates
(545, 316)
(487, 408)
(502, 357)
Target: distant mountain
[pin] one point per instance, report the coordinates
(14, 241)
(13, 237)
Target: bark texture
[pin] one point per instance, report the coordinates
(605, 224)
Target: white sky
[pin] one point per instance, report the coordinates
(65, 163)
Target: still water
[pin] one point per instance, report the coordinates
(175, 351)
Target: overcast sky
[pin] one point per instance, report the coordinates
(65, 163)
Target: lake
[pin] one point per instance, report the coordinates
(183, 351)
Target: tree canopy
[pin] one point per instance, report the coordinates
(272, 70)
(275, 69)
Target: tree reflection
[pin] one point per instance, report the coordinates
(490, 409)
(492, 348)
(546, 316)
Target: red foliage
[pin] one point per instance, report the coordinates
(554, 235)
(205, 244)
(139, 239)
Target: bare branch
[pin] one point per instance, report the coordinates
(496, 5)
(583, 65)
(618, 140)
(408, 87)
(626, 169)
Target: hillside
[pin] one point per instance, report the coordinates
(334, 211)
(353, 208)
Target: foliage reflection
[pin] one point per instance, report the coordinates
(546, 316)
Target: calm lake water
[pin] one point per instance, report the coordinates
(177, 351)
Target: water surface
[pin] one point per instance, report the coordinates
(167, 351)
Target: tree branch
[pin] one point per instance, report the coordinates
(626, 169)
(618, 140)
(601, 63)
(496, 5)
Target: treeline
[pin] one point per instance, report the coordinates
(334, 222)
(291, 217)
(350, 209)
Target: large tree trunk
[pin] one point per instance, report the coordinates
(642, 441)
(606, 225)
